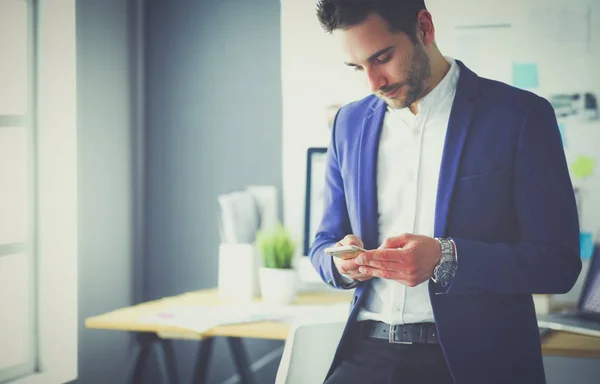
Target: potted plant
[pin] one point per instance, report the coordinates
(277, 277)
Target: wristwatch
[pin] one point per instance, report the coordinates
(445, 269)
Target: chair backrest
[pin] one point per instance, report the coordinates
(308, 352)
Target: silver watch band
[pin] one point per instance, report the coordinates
(445, 270)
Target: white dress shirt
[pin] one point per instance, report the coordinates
(410, 156)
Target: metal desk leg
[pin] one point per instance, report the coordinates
(241, 360)
(203, 360)
(165, 357)
(138, 359)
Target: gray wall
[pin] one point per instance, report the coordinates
(104, 185)
(213, 125)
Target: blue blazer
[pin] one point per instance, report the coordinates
(504, 196)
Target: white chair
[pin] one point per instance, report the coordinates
(308, 352)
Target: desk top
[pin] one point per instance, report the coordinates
(128, 319)
(565, 344)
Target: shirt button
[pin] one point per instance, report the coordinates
(416, 132)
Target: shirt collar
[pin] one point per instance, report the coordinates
(437, 95)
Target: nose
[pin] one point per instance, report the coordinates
(375, 79)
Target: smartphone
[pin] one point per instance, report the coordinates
(345, 252)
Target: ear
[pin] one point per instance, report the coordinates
(425, 28)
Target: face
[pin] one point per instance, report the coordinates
(396, 68)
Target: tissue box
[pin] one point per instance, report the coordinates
(238, 272)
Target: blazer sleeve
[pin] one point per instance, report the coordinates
(546, 258)
(335, 223)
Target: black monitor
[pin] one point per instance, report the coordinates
(316, 162)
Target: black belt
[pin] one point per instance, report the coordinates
(425, 333)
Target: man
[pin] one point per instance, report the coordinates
(458, 188)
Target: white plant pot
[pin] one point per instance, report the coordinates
(238, 272)
(278, 286)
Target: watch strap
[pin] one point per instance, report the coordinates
(445, 269)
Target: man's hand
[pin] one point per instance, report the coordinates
(348, 267)
(408, 259)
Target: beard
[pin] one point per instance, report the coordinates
(417, 77)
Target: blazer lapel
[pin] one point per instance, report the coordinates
(458, 127)
(367, 174)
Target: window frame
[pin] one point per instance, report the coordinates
(27, 246)
(56, 195)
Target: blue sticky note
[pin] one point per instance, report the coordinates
(561, 128)
(525, 76)
(586, 244)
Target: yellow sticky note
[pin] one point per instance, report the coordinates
(582, 167)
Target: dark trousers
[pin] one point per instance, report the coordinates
(376, 361)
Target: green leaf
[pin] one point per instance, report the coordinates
(276, 247)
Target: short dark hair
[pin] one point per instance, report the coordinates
(400, 15)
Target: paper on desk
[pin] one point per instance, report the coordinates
(239, 217)
(266, 199)
(203, 318)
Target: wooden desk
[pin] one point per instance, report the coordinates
(567, 344)
(128, 319)
(157, 336)
(152, 335)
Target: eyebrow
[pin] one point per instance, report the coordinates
(373, 56)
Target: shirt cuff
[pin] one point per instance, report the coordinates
(346, 279)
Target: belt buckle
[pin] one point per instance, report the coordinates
(392, 333)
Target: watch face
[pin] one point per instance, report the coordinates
(445, 271)
(445, 268)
